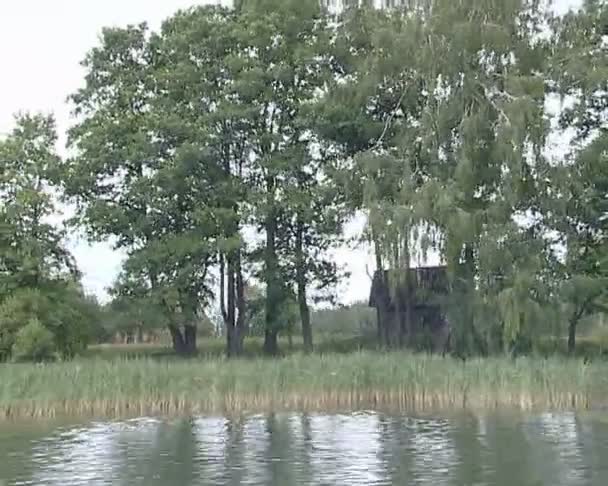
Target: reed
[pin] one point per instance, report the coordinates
(365, 380)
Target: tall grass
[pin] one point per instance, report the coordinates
(142, 386)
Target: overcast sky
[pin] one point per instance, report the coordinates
(41, 45)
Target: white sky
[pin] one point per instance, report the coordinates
(41, 45)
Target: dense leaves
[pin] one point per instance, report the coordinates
(224, 153)
(580, 69)
(38, 278)
(195, 134)
(443, 114)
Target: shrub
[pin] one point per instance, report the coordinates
(58, 307)
(17, 310)
(353, 320)
(33, 342)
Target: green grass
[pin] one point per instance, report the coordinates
(115, 387)
(216, 347)
(590, 346)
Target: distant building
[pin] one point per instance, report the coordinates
(409, 310)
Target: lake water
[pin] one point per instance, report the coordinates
(294, 449)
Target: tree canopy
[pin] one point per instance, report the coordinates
(225, 152)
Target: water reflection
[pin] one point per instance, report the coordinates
(357, 449)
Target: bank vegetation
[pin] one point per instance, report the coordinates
(224, 153)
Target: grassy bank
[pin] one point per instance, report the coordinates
(215, 347)
(121, 387)
(593, 346)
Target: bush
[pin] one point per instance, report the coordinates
(353, 320)
(71, 317)
(33, 342)
(17, 310)
(59, 307)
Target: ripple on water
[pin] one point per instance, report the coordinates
(305, 449)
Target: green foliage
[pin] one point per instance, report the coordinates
(31, 249)
(443, 114)
(580, 72)
(61, 309)
(256, 299)
(352, 320)
(14, 313)
(37, 274)
(206, 125)
(143, 174)
(275, 120)
(33, 342)
(287, 315)
(129, 315)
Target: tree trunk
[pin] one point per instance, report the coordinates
(190, 339)
(305, 321)
(231, 317)
(184, 343)
(406, 336)
(470, 340)
(572, 335)
(179, 345)
(380, 315)
(273, 289)
(234, 347)
(241, 318)
(379, 327)
(301, 283)
(271, 343)
(231, 297)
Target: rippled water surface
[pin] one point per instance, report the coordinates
(357, 449)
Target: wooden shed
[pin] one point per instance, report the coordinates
(409, 307)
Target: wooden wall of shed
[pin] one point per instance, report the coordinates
(429, 330)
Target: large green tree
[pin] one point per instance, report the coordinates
(283, 69)
(316, 210)
(38, 276)
(189, 136)
(141, 179)
(441, 107)
(198, 54)
(580, 74)
(32, 248)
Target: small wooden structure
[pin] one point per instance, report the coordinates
(409, 307)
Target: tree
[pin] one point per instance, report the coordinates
(31, 248)
(580, 74)
(442, 109)
(354, 117)
(141, 178)
(132, 312)
(255, 318)
(38, 276)
(190, 135)
(281, 68)
(314, 215)
(586, 266)
(199, 50)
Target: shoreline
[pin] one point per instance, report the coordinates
(400, 382)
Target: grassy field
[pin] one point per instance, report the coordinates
(209, 348)
(104, 385)
(591, 346)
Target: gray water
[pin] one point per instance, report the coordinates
(284, 450)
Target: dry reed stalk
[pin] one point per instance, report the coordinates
(309, 383)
